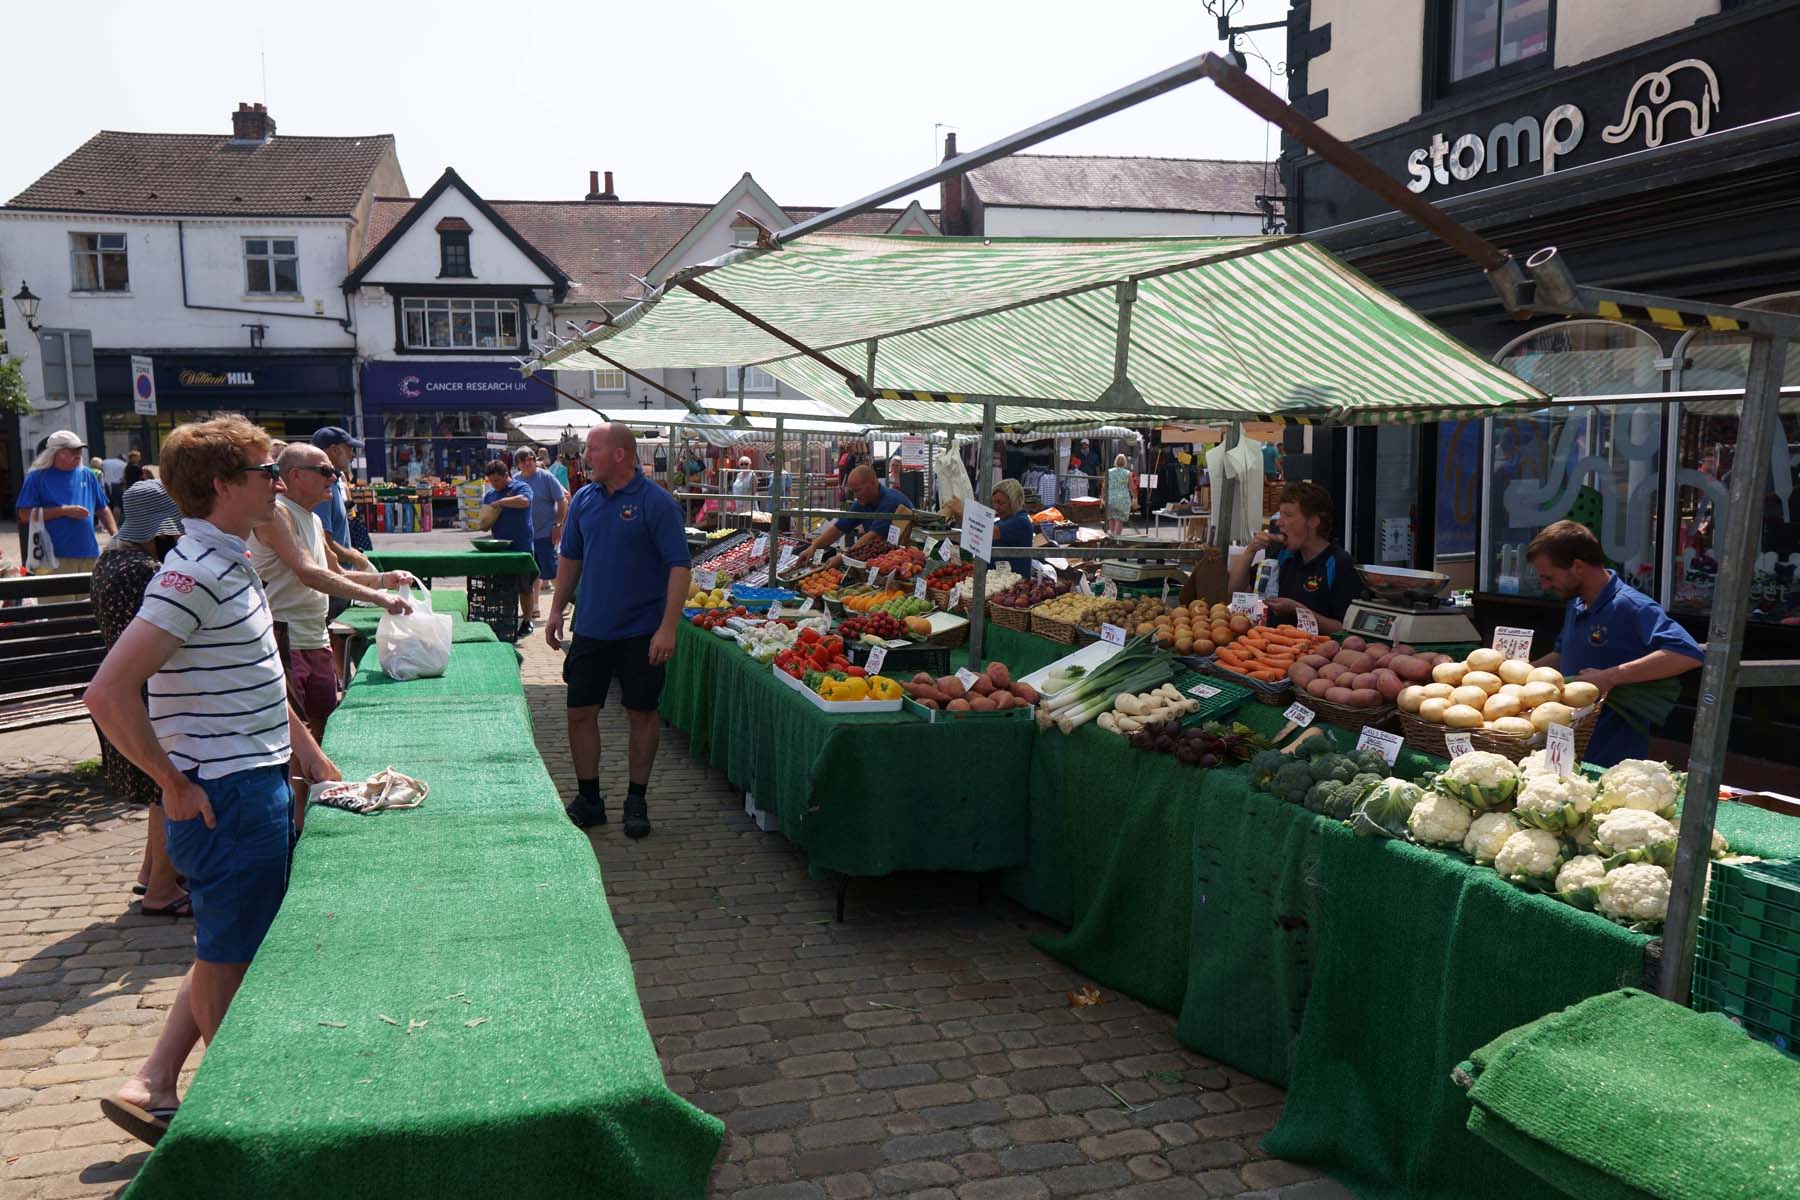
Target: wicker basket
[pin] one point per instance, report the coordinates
(1346, 716)
(950, 637)
(939, 597)
(1016, 619)
(1060, 632)
(1427, 737)
(1279, 694)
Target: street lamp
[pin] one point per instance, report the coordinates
(28, 305)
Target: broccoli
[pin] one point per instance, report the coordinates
(1314, 747)
(1369, 760)
(1335, 768)
(1291, 782)
(1345, 796)
(1264, 766)
(1319, 795)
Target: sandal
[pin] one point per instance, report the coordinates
(183, 907)
(147, 1125)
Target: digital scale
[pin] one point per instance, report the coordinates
(1406, 607)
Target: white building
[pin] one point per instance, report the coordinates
(219, 256)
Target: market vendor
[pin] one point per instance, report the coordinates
(868, 495)
(1012, 524)
(1612, 634)
(1312, 571)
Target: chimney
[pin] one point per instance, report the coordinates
(598, 194)
(252, 123)
(950, 196)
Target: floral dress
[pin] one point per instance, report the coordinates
(119, 580)
(1118, 493)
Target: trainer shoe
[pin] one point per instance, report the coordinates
(585, 812)
(637, 817)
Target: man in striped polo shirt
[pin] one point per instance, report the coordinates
(217, 735)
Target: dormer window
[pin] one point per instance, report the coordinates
(453, 249)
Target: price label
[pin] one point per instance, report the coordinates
(978, 531)
(758, 578)
(1203, 691)
(1299, 714)
(775, 611)
(1084, 585)
(966, 677)
(919, 588)
(818, 556)
(1153, 482)
(1458, 744)
(761, 546)
(1045, 569)
(1112, 634)
(1109, 590)
(893, 533)
(1304, 618)
(873, 572)
(1382, 742)
(787, 557)
(1559, 748)
(806, 605)
(877, 657)
(1513, 642)
(706, 581)
(1248, 603)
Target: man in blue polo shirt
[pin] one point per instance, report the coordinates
(632, 535)
(1612, 634)
(70, 496)
(869, 495)
(512, 501)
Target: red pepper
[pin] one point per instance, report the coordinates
(809, 635)
(855, 672)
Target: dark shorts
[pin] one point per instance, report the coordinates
(237, 871)
(544, 550)
(311, 678)
(593, 663)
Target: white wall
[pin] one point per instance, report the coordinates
(1375, 67)
(1081, 222)
(492, 255)
(1591, 28)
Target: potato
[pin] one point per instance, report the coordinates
(1402, 648)
(1318, 687)
(1437, 691)
(1354, 643)
(1356, 662)
(1462, 716)
(983, 704)
(1433, 709)
(1302, 674)
(1546, 715)
(983, 686)
(1514, 670)
(1540, 692)
(1365, 698)
(1379, 653)
(1511, 689)
(1487, 681)
(1239, 623)
(1579, 694)
(1449, 672)
(1388, 684)
(1500, 706)
(1364, 679)
(1410, 698)
(1545, 675)
(1484, 659)
(1339, 695)
(951, 686)
(1333, 671)
(1410, 668)
(1470, 695)
(1204, 646)
(1005, 700)
(1516, 726)
(1315, 661)
(958, 705)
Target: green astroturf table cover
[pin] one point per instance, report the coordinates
(444, 1006)
(455, 564)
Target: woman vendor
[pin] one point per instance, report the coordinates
(1012, 524)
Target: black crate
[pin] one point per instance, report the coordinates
(495, 600)
(905, 661)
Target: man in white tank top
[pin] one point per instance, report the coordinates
(289, 554)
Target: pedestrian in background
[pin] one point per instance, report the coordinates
(67, 495)
(512, 501)
(549, 505)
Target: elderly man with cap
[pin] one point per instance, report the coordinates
(68, 495)
(339, 447)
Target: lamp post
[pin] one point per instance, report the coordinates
(28, 306)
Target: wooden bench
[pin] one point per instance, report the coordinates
(49, 649)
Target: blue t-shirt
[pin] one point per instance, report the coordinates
(1623, 624)
(514, 524)
(47, 487)
(888, 501)
(331, 513)
(1013, 531)
(562, 475)
(627, 542)
(545, 492)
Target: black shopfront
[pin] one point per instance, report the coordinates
(1671, 167)
(290, 395)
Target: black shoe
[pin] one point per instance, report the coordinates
(524, 629)
(585, 812)
(637, 817)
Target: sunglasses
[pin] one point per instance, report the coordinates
(327, 472)
(268, 470)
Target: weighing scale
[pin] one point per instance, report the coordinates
(1406, 607)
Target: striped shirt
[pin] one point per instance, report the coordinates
(219, 705)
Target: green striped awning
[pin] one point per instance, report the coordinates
(1223, 328)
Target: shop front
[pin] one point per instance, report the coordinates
(442, 419)
(290, 395)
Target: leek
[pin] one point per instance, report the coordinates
(1137, 667)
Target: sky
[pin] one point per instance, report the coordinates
(823, 103)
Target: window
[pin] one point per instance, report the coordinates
(99, 262)
(271, 267)
(758, 380)
(454, 248)
(1490, 40)
(433, 324)
(609, 381)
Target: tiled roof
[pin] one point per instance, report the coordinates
(199, 174)
(601, 245)
(1147, 184)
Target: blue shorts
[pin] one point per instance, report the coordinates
(544, 550)
(237, 871)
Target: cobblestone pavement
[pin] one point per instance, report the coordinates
(921, 1048)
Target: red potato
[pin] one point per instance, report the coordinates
(1402, 648)
(1339, 695)
(1388, 684)
(1319, 687)
(1302, 674)
(1025, 692)
(1315, 661)
(983, 686)
(1365, 698)
(1356, 663)
(951, 686)
(1379, 654)
(958, 705)
(1354, 643)
(1332, 671)
(1410, 668)
(983, 704)
(1004, 700)
(1363, 680)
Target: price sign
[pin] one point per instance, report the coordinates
(1084, 585)
(1153, 482)
(1304, 618)
(877, 657)
(761, 546)
(1382, 742)
(1299, 714)
(873, 572)
(758, 578)
(966, 677)
(1559, 748)
(818, 556)
(1112, 634)
(1045, 569)
(1245, 602)
(1165, 590)
(919, 588)
(978, 531)
(787, 557)
(893, 533)
(1513, 642)
(806, 605)
(706, 581)
(1458, 744)
(1109, 590)
(775, 611)
(931, 547)
(1203, 691)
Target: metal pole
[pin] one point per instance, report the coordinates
(774, 503)
(984, 468)
(1224, 499)
(1760, 421)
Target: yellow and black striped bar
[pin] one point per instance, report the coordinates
(922, 397)
(1666, 318)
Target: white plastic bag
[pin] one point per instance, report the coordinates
(40, 554)
(416, 645)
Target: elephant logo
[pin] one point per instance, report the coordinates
(1649, 102)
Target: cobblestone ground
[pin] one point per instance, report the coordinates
(921, 1048)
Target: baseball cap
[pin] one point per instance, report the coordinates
(335, 435)
(64, 439)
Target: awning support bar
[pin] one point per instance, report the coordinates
(851, 378)
(1121, 393)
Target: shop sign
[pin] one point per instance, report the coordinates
(450, 385)
(191, 378)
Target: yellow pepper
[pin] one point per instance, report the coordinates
(853, 689)
(883, 688)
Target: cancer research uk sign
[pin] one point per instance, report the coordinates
(429, 385)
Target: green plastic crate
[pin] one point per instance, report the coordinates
(1781, 934)
(1231, 697)
(1748, 957)
(1761, 891)
(1756, 1002)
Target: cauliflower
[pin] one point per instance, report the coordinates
(1639, 783)
(1554, 802)
(1487, 833)
(1536, 763)
(1720, 847)
(1631, 835)
(1481, 779)
(1529, 856)
(1635, 892)
(1582, 871)
(1440, 820)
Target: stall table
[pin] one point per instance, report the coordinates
(455, 564)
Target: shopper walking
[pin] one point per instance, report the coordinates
(1118, 496)
(60, 488)
(217, 736)
(130, 561)
(627, 534)
(549, 505)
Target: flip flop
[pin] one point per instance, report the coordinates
(147, 1125)
(183, 907)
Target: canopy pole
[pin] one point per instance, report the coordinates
(566, 395)
(774, 502)
(857, 386)
(984, 469)
(685, 401)
(1757, 427)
